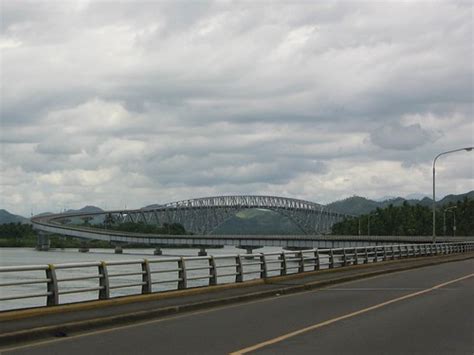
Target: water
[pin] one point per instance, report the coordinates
(29, 256)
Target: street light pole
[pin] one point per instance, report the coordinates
(454, 223)
(467, 149)
(368, 222)
(444, 219)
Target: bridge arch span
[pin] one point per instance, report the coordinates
(204, 215)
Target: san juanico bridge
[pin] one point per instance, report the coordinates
(200, 217)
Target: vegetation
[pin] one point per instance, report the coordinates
(411, 220)
(17, 235)
(257, 221)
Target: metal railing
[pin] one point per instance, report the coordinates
(186, 272)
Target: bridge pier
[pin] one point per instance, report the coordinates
(249, 251)
(202, 252)
(158, 251)
(42, 242)
(118, 249)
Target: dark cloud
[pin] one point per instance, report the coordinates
(395, 136)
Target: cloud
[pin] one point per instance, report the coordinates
(396, 136)
(112, 103)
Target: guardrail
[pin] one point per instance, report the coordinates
(209, 270)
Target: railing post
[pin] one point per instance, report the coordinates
(376, 254)
(239, 277)
(366, 256)
(146, 277)
(104, 292)
(317, 262)
(331, 259)
(283, 264)
(53, 292)
(384, 253)
(356, 256)
(392, 249)
(263, 266)
(400, 255)
(212, 271)
(182, 275)
(301, 263)
(344, 257)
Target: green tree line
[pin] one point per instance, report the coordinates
(411, 220)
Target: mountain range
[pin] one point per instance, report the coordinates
(357, 205)
(252, 220)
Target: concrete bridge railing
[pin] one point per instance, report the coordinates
(185, 272)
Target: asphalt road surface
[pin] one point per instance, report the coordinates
(422, 311)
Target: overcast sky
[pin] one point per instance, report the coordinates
(131, 103)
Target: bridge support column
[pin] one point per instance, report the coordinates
(42, 241)
(202, 252)
(118, 249)
(83, 248)
(158, 251)
(249, 251)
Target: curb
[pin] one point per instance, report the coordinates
(66, 328)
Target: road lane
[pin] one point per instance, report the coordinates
(235, 327)
(307, 343)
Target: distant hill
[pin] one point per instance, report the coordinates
(150, 207)
(256, 221)
(7, 217)
(357, 205)
(43, 214)
(86, 209)
(454, 198)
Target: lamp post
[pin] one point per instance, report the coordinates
(467, 149)
(444, 219)
(368, 222)
(454, 223)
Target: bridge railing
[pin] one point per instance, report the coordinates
(102, 279)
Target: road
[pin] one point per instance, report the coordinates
(422, 311)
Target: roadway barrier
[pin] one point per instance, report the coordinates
(183, 272)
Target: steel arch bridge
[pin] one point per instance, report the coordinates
(204, 215)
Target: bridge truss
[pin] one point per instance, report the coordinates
(204, 215)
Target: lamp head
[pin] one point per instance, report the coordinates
(468, 149)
